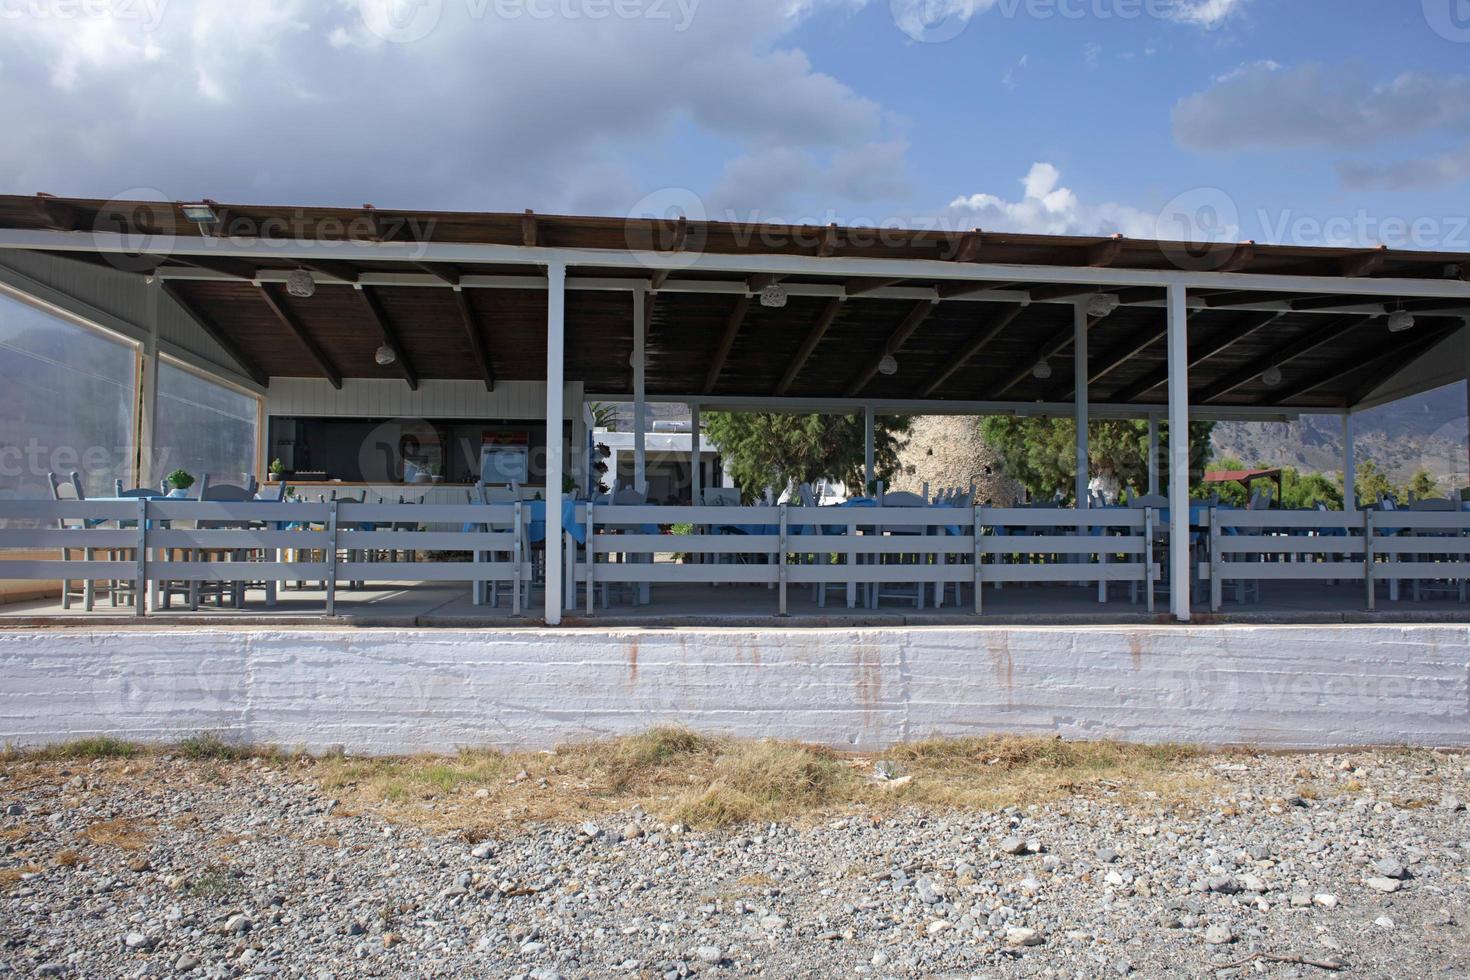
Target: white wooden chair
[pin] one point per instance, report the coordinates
(900, 590)
(1448, 586)
(71, 489)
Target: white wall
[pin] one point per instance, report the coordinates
(397, 691)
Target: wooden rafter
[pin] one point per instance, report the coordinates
(277, 304)
(342, 271)
(727, 341)
(476, 337)
(1120, 355)
(1363, 264)
(1409, 357)
(379, 317)
(56, 215)
(1047, 348)
(529, 230)
(856, 287)
(917, 314)
(1199, 353)
(227, 343)
(971, 348)
(1392, 360)
(814, 337)
(970, 243)
(1276, 358)
(827, 247)
(1104, 253)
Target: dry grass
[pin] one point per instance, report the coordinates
(10, 877)
(681, 776)
(126, 835)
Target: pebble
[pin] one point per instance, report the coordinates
(709, 954)
(1325, 901)
(1218, 935)
(1390, 868)
(1385, 885)
(482, 850)
(1018, 936)
(937, 926)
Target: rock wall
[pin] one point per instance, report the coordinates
(948, 451)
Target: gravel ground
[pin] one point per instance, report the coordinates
(162, 867)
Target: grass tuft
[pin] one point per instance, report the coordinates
(212, 746)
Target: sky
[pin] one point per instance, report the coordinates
(1293, 121)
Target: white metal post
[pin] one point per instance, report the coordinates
(148, 408)
(1079, 382)
(640, 403)
(696, 460)
(1153, 456)
(870, 473)
(1349, 465)
(556, 280)
(1179, 453)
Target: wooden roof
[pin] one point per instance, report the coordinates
(728, 344)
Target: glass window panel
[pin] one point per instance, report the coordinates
(204, 427)
(67, 397)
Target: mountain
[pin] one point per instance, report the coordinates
(1425, 432)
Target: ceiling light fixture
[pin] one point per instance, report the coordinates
(1271, 377)
(385, 356)
(774, 296)
(1400, 320)
(888, 366)
(300, 283)
(1042, 370)
(1101, 305)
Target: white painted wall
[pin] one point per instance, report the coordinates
(397, 691)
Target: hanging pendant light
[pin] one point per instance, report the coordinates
(384, 355)
(888, 366)
(300, 284)
(1042, 370)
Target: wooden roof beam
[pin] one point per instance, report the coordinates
(1104, 253)
(813, 337)
(856, 287)
(1362, 264)
(1399, 356)
(727, 341)
(827, 247)
(963, 355)
(297, 329)
(1114, 359)
(1047, 348)
(379, 316)
(1198, 354)
(969, 245)
(227, 343)
(530, 230)
(56, 215)
(915, 319)
(476, 337)
(1281, 355)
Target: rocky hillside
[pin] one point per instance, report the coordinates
(1418, 433)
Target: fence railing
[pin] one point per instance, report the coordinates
(176, 546)
(1423, 549)
(855, 548)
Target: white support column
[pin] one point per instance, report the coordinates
(1153, 455)
(870, 470)
(148, 463)
(640, 403)
(1079, 382)
(696, 458)
(1349, 465)
(1179, 453)
(556, 281)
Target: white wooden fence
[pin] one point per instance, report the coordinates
(1425, 550)
(163, 542)
(861, 547)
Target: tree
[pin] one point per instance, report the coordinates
(1041, 453)
(773, 450)
(1372, 483)
(1422, 485)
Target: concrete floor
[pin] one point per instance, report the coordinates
(449, 605)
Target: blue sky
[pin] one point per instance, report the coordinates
(1307, 121)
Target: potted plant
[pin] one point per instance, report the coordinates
(181, 480)
(277, 470)
(568, 485)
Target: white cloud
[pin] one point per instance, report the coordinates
(1047, 208)
(1264, 105)
(1208, 14)
(296, 101)
(1441, 170)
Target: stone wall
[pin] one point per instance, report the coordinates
(947, 451)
